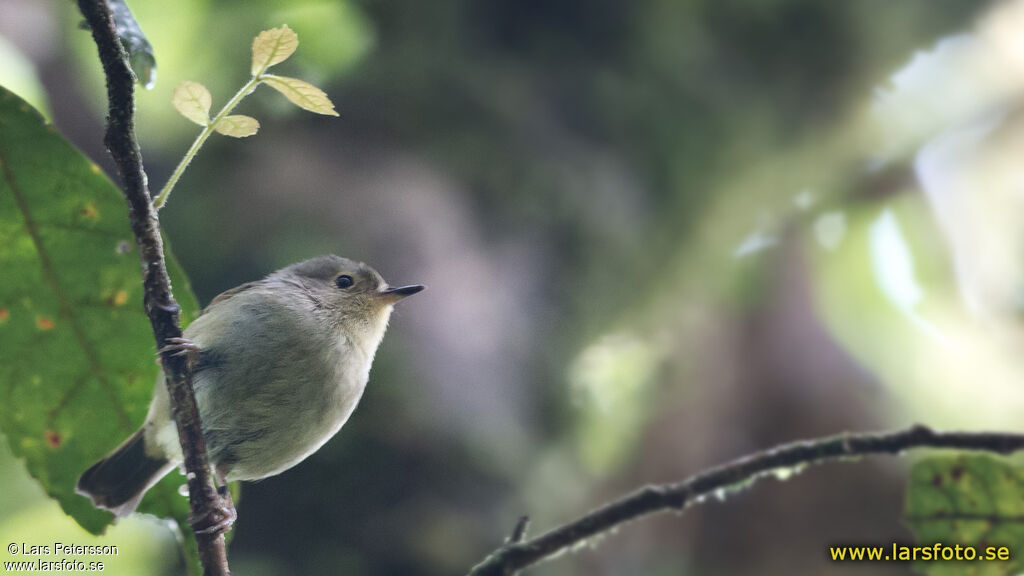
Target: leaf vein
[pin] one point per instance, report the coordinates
(51, 278)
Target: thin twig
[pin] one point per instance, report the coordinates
(162, 309)
(519, 532)
(205, 133)
(515, 556)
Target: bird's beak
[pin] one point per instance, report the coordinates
(392, 295)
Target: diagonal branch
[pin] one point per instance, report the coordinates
(515, 556)
(162, 309)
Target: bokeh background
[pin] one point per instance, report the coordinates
(657, 235)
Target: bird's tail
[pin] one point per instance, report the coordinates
(119, 480)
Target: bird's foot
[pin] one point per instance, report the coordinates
(183, 347)
(220, 518)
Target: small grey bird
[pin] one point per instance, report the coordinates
(279, 366)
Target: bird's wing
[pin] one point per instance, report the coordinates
(228, 294)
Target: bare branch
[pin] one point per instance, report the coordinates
(515, 556)
(205, 504)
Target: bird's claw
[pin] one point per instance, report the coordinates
(182, 347)
(216, 520)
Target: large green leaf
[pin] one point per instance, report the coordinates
(968, 500)
(77, 358)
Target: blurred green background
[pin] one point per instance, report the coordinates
(657, 235)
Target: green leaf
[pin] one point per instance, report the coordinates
(970, 500)
(140, 52)
(302, 94)
(193, 101)
(77, 362)
(272, 47)
(237, 126)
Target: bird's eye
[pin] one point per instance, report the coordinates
(344, 281)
